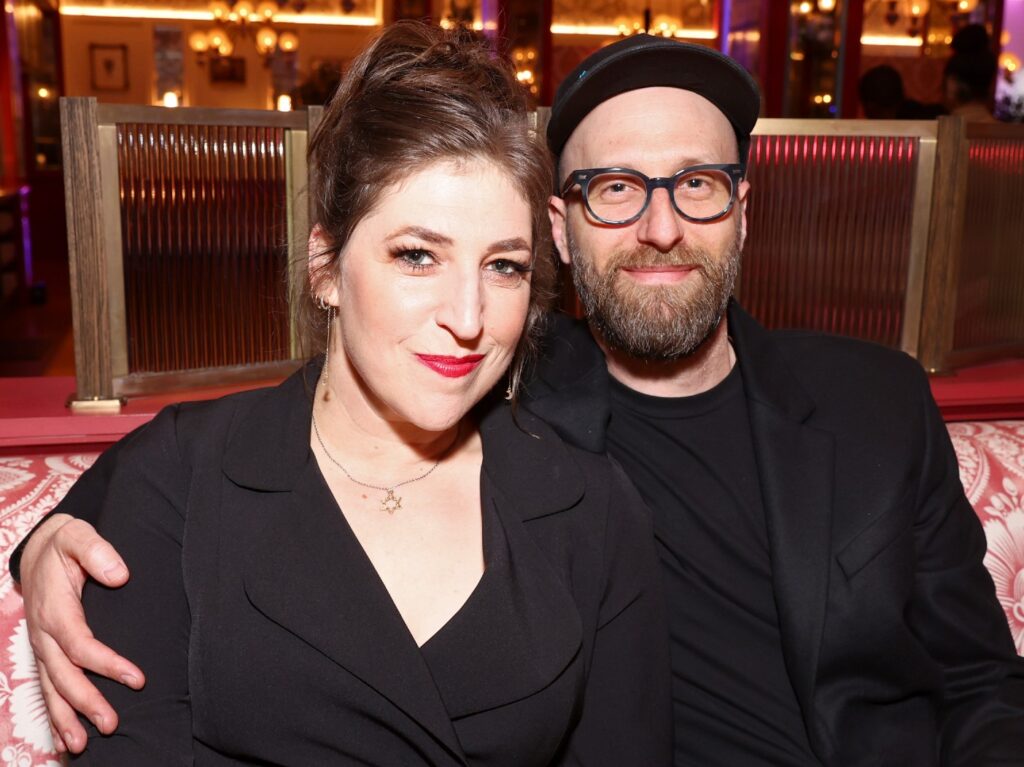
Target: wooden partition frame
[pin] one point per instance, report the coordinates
(94, 232)
(89, 132)
(925, 131)
(937, 350)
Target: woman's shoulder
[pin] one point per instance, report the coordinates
(528, 455)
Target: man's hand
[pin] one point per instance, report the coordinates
(61, 554)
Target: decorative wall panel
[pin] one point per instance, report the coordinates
(828, 244)
(990, 297)
(203, 209)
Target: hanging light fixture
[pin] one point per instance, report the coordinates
(242, 20)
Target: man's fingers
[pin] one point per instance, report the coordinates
(79, 542)
(89, 653)
(69, 642)
(72, 691)
(68, 733)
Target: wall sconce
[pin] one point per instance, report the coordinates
(525, 62)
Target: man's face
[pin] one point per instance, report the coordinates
(655, 289)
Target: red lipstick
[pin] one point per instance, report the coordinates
(451, 367)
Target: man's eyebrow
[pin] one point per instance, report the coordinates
(435, 238)
(511, 245)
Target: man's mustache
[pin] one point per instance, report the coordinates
(651, 258)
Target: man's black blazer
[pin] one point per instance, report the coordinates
(898, 651)
(267, 638)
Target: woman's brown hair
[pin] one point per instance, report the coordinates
(418, 95)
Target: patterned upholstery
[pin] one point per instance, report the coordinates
(991, 457)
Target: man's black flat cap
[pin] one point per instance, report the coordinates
(646, 61)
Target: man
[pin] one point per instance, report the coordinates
(822, 566)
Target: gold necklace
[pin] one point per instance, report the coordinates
(390, 503)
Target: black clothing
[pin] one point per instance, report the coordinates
(268, 638)
(896, 647)
(692, 460)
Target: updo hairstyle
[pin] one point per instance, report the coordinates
(419, 95)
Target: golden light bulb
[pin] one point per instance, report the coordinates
(827, 5)
(244, 9)
(219, 9)
(198, 42)
(287, 42)
(216, 37)
(266, 39)
(226, 48)
(267, 10)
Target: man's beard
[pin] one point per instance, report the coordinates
(659, 323)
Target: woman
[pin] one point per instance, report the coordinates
(375, 563)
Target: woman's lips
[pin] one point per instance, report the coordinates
(451, 367)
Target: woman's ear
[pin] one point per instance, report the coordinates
(323, 282)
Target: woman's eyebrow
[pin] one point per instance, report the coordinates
(431, 236)
(511, 245)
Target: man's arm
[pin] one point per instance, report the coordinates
(56, 560)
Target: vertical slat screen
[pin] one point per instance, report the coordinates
(204, 230)
(990, 294)
(828, 243)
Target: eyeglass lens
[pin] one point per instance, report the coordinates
(619, 196)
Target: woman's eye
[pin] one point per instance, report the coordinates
(505, 266)
(416, 258)
(505, 271)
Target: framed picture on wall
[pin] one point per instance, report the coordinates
(228, 70)
(108, 67)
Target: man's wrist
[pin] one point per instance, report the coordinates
(46, 528)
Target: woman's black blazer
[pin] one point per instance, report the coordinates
(268, 639)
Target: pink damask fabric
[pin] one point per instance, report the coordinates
(991, 457)
(29, 487)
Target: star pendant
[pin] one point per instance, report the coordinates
(391, 504)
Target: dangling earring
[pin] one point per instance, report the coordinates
(508, 393)
(327, 351)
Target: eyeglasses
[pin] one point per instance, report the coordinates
(619, 196)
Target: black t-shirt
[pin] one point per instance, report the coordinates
(692, 460)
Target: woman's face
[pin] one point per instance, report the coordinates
(432, 294)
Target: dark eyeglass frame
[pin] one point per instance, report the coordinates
(735, 170)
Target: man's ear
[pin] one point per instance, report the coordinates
(557, 213)
(323, 281)
(742, 193)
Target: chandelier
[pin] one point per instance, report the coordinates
(916, 11)
(241, 21)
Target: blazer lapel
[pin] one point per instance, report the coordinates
(530, 631)
(796, 467)
(308, 573)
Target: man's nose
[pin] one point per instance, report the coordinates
(660, 226)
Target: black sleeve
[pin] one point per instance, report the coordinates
(137, 493)
(627, 708)
(89, 485)
(956, 615)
